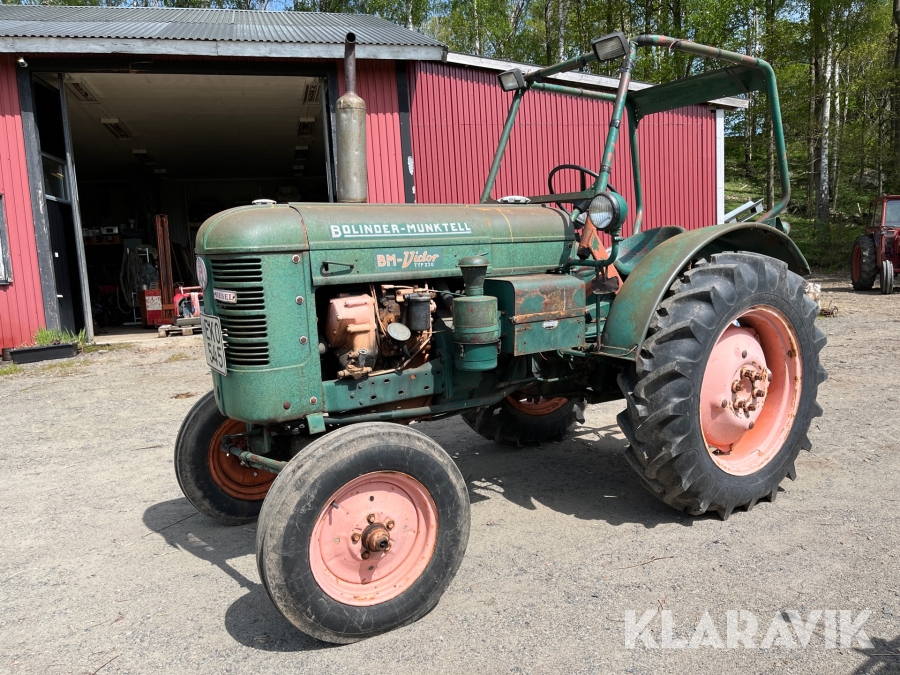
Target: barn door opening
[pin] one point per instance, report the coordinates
(60, 194)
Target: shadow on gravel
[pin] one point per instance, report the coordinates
(585, 476)
(251, 620)
(883, 659)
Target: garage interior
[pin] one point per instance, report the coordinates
(183, 145)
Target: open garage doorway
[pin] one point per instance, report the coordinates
(182, 146)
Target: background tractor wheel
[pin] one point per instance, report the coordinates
(362, 532)
(863, 263)
(217, 485)
(519, 419)
(886, 277)
(724, 387)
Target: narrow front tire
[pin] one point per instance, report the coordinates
(363, 532)
(886, 277)
(217, 485)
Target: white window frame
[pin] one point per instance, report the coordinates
(5, 265)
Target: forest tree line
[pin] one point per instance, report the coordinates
(837, 61)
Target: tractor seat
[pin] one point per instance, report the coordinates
(633, 249)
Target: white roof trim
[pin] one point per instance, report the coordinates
(149, 47)
(587, 79)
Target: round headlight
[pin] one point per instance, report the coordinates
(603, 211)
(201, 272)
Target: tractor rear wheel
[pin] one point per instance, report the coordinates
(886, 277)
(521, 418)
(362, 532)
(215, 483)
(724, 387)
(863, 263)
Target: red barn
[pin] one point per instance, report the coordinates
(111, 116)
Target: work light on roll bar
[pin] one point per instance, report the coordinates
(610, 47)
(512, 80)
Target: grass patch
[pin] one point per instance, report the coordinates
(827, 249)
(62, 368)
(11, 369)
(115, 346)
(44, 337)
(179, 356)
(738, 192)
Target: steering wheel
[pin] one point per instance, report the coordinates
(584, 171)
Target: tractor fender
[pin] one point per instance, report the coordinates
(637, 300)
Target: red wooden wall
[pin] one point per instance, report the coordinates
(377, 85)
(21, 302)
(458, 113)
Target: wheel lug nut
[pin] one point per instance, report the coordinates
(759, 393)
(371, 518)
(365, 555)
(355, 537)
(751, 425)
(389, 524)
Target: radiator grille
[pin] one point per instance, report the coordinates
(243, 322)
(240, 271)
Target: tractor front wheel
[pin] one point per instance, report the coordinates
(863, 263)
(724, 387)
(218, 485)
(362, 532)
(522, 418)
(886, 277)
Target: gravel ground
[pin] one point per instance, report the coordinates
(107, 568)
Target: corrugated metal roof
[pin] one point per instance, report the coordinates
(204, 24)
(574, 78)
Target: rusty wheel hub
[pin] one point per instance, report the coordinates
(375, 538)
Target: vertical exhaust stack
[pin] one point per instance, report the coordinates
(351, 133)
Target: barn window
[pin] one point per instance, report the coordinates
(5, 271)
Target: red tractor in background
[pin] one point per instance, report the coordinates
(877, 253)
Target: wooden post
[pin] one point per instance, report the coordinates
(166, 284)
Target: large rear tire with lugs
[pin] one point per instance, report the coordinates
(863, 263)
(724, 387)
(520, 419)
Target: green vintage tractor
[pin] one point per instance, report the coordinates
(330, 328)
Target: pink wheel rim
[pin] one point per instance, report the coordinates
(536, 405)
(750, 391)
(373, 539)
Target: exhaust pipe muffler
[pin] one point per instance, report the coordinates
(350, 128)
